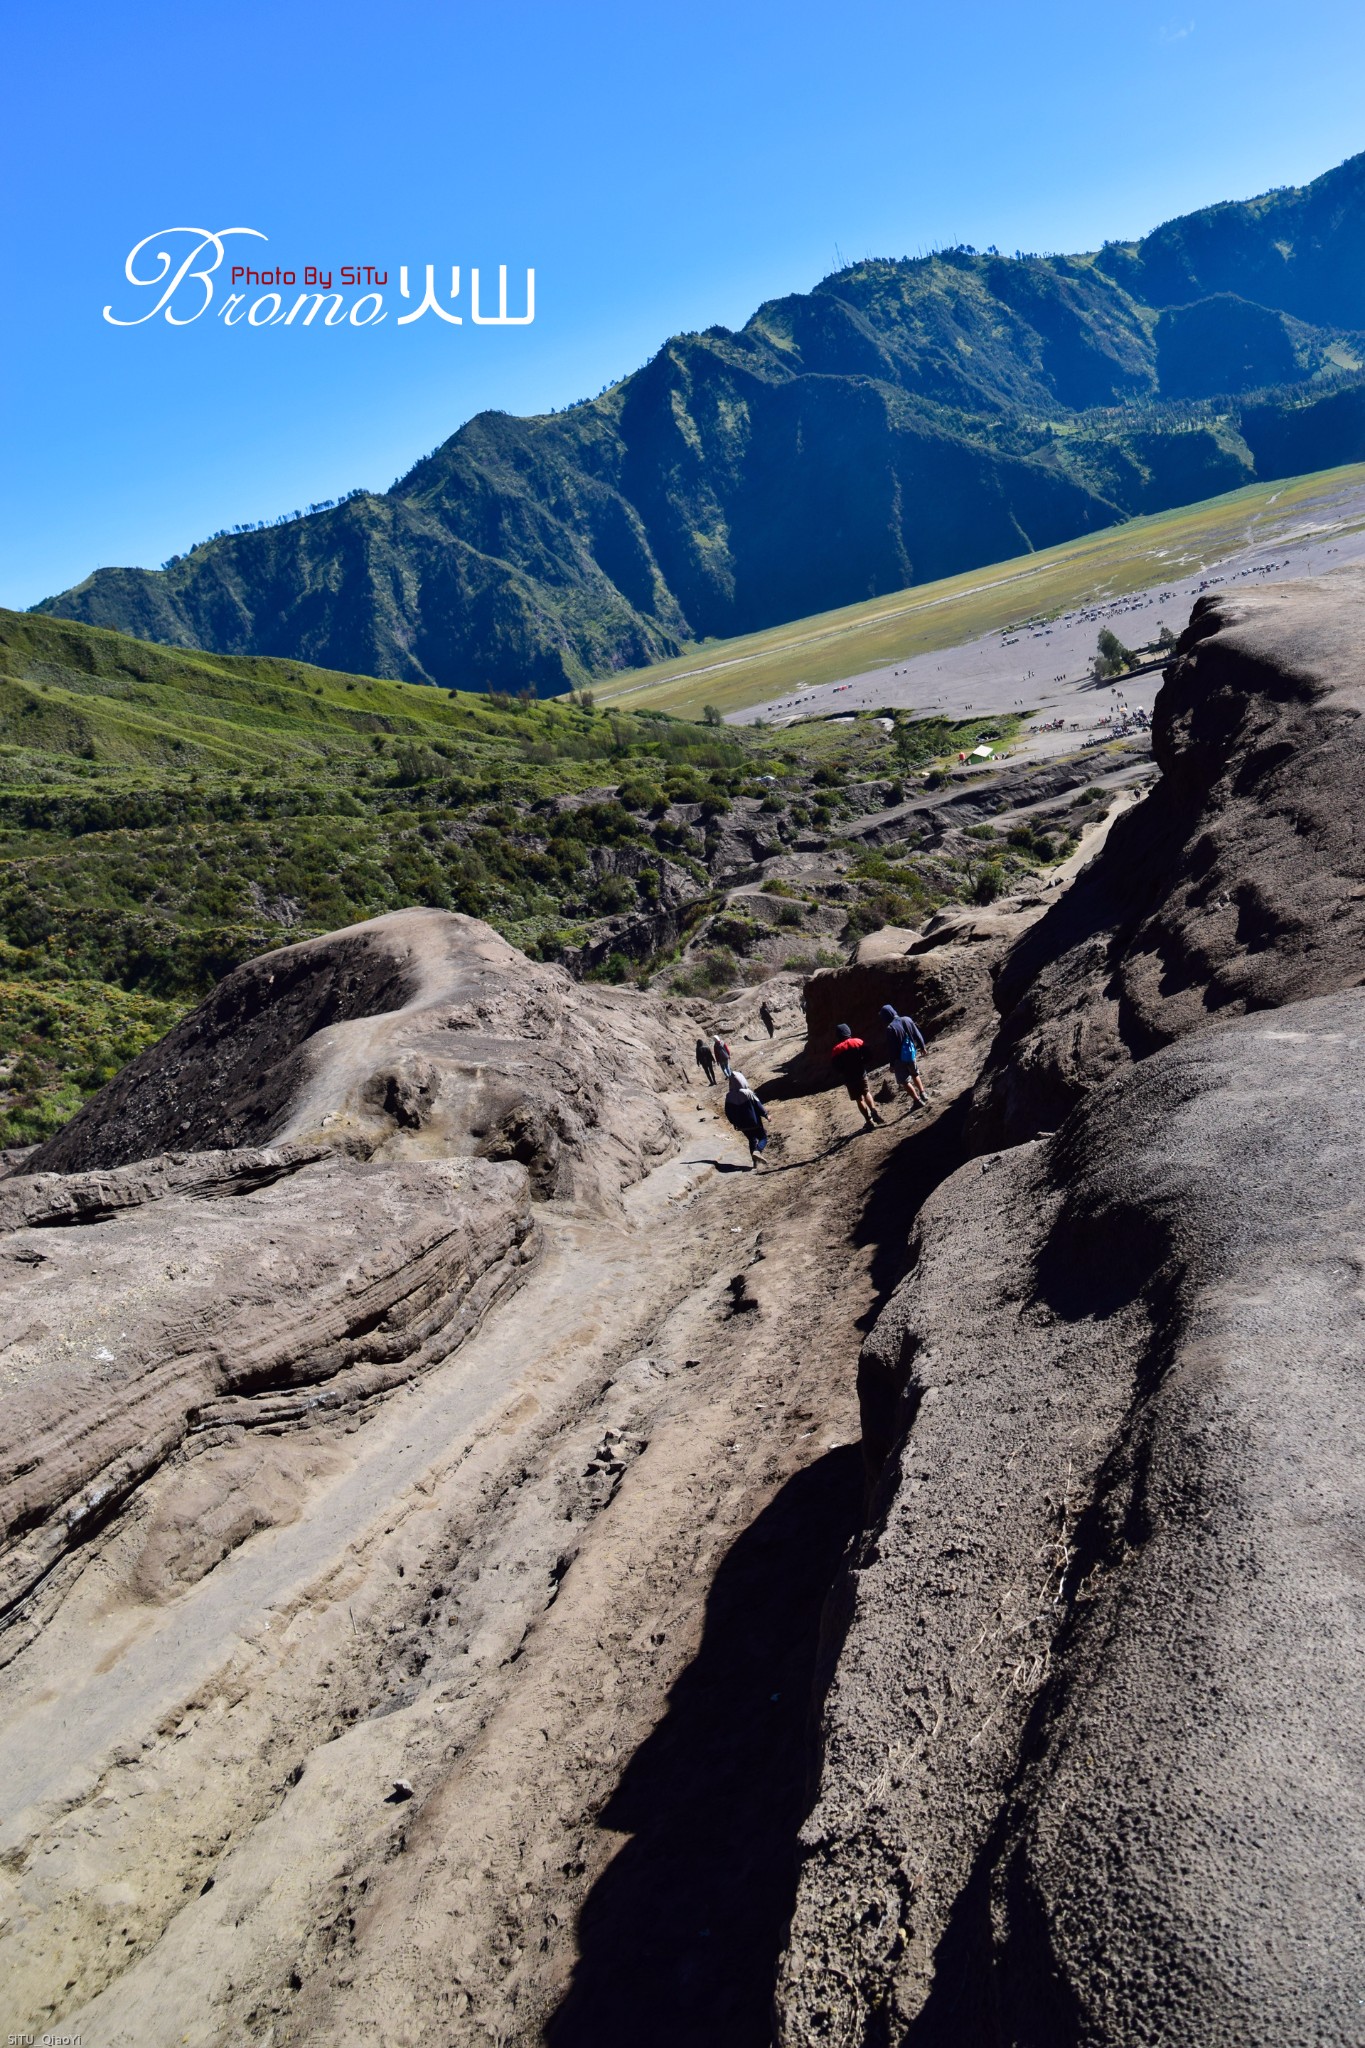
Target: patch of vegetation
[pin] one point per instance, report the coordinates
(708, 973)
(165, 815)
(62, 1039)
(987, 883)
(1111, 657)
(1044, 840)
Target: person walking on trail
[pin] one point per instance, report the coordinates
(766, 1014)
(748, 1115)
(720, 1052)
(849, 1059)
(706, 1061)
(904, 1045)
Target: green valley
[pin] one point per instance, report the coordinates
(165, 815)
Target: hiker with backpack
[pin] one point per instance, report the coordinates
(720, 1052)
(748, 1115)
(849, 1060)
(706, 1061)
(904, 1044)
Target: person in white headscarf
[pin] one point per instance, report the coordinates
(748, 1115)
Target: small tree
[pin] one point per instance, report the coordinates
(711, 715)
(1113, 655)
(1165, 638)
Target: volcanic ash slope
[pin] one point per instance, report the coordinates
(1094, 1751)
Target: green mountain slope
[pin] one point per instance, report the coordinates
(165, 815)
(901, 422)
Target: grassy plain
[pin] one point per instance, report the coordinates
(1167, 546)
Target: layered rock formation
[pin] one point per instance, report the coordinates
(220, 1290)
(1093, 1748)
(308, 1192)
(941, 977)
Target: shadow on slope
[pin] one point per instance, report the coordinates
(680, 1935)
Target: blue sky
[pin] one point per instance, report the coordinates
(662, 167)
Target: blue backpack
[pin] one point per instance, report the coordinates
(902, 1038)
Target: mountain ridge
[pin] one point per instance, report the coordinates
(905, 419)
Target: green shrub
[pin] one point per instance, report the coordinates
(638, 795)
(615, 968)
(707, 974)
(863, 918)
(1111, 657)
(987, 883)
(613, 893)
(734, 931)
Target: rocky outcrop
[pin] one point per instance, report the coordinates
(1236, 885)
(307, 1193)
(149, 1305)
(941, 977)
(1093, 1745)
(417, 1035)
(1093, 1753)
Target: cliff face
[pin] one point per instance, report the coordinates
(896, 424)
(1237, 886)
(1092, 1751)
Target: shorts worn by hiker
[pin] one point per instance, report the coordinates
(904, 1041)
(849, 1060)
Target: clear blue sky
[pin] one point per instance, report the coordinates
(663, 167)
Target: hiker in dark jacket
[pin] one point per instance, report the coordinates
(720, 1052)
(849, 1059)
(748, 1115)
(904, 1044)
(767, 1016)
(706, 1062)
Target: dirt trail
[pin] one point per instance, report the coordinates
(568, 1588)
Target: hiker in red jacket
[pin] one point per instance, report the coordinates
(849, 1059)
